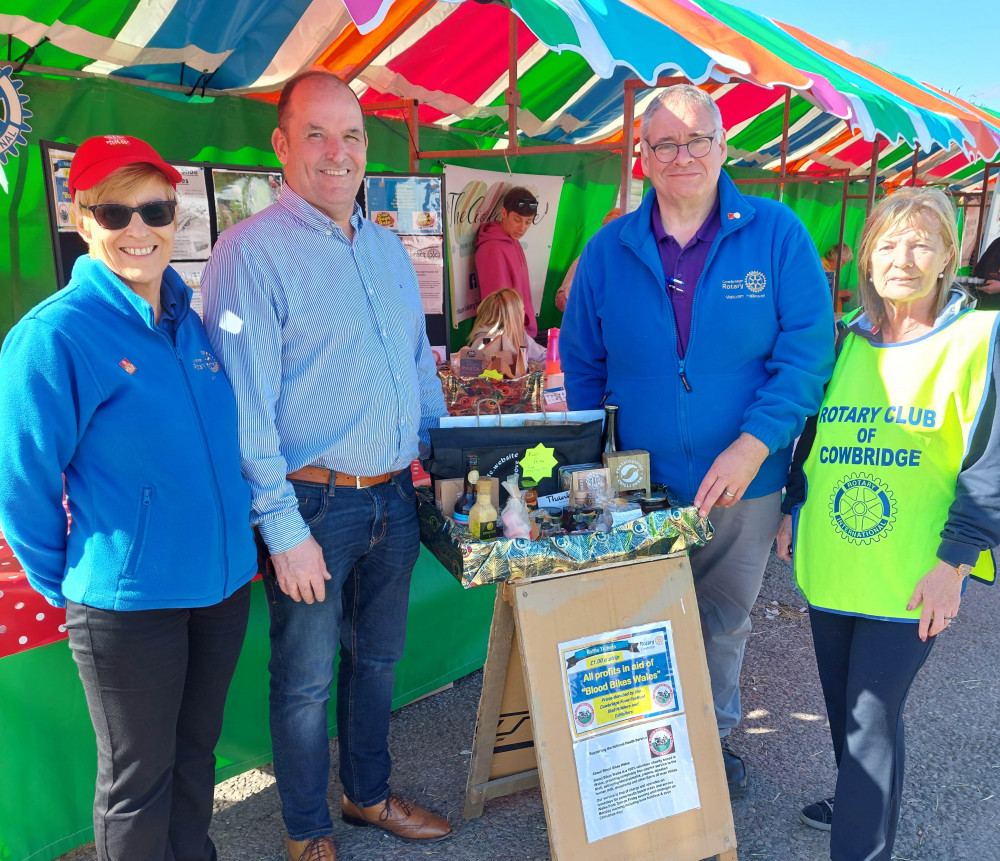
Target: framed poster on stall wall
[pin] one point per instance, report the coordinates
(211, 198)
(410, 206)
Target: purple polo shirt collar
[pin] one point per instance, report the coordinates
(685, 265)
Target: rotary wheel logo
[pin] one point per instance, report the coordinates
(863, 508)
(12, 114)
(755, 281)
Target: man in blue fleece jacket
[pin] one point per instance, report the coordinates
(706, 318)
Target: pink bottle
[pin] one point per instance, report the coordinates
(552, 365)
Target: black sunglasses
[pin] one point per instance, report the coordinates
(115, 216)
(526, 206)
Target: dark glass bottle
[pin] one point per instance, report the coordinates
(609, 440)
(464, 503)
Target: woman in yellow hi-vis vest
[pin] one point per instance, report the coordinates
(901, 465)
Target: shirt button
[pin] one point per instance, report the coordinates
(397, 377)
(370, 291)
(385, 334)
(329, 233)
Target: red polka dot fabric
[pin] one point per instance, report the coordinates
(27, 620)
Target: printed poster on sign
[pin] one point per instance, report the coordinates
(475, 197)
(635, 775)
(407, 205)
(618, 676)
(193, 238)
(242, 193)
(427, 255)
(59, 162)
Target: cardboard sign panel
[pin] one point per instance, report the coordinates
(655, 779)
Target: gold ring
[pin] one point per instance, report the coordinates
(730, 495)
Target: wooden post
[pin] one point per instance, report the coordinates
(916, 166)
(414, 137)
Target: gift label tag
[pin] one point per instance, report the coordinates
(539, 462)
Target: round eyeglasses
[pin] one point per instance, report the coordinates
(116, 216)
(697, 148)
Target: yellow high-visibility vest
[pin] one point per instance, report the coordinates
(891, 436)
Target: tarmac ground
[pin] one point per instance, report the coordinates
(951, 797)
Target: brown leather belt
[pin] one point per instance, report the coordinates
(319, 475)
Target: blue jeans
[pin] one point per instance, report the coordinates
(370, 539)
(866, 667)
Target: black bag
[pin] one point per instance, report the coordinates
(500, 448)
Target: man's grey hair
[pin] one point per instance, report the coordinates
(681, 94)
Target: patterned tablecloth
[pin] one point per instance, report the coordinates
(476, 563)
(27, 620)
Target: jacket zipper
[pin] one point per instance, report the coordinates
(204, 437)
(685, 428)
(139, 547)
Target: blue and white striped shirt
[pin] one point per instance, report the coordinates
(324, 342)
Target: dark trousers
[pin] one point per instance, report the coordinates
(866, 667)
(156, 684)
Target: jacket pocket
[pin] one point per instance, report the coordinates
(140, 530)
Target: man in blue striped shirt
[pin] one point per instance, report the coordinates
(315, 314)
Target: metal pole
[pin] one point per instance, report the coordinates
(983, 214)
(837, 304)
(628, 142)
(784, 142)
(916, 166)
(557, 149)
(512, 96)
(872, 179)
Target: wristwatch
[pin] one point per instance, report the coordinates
(964, 569)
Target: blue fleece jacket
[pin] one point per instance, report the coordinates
(144, 429)
(760, 352)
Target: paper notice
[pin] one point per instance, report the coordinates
(636, 775)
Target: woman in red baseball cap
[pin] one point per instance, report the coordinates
(109, 389)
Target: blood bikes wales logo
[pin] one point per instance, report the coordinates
(862, 508)
(661, 741)
(12, 114)
(583, 714)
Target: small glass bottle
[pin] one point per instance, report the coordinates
(609, 440)
(483, 516)
(529, 494)
(464, 503)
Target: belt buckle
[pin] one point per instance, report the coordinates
(357, 482)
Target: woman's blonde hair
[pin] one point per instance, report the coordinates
(505, 307)
(119, 185)
(925, 207)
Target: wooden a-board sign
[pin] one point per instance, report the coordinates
(528, 733)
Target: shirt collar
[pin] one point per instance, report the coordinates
(311, 216)
(705, 233)
(168, 303)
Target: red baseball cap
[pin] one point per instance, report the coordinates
(97, 158)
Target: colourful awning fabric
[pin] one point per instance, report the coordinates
(573, 57)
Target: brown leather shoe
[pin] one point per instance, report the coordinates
(317, 849)
(401, 818)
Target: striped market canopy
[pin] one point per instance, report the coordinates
(573, 58)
